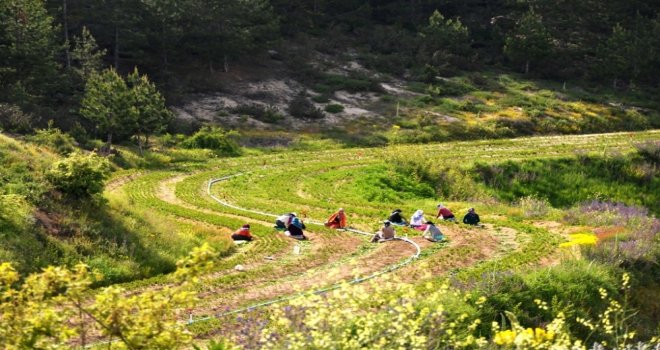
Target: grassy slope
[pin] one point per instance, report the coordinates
(138, 234)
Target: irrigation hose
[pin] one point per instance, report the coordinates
(293, 296)
(317, 291)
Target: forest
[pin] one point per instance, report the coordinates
(50, 49)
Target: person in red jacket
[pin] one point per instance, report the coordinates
(337, 220)
(445, 213)
(242, 234)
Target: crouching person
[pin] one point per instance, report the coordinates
(337, 220)
(386, 233)
(471, 218)
(432, 232)
(295, 229)
(242, 234)
(283, 221)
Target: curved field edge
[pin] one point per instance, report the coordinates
(190, 188)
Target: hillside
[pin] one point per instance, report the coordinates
(368, 184)
(353, 105)
(154, 216)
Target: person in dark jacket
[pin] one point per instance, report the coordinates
(295, 229)
(396, 218)
(471, 218)
(283, 221)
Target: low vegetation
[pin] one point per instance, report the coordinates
(156, 213)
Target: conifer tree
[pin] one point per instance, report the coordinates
(27, 51)
(107, 103)
(529, 42)
(150, 113)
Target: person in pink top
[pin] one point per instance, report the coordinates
(445, 214)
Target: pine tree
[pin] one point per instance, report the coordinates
(86, 55)
(529, 42)
(150, 113)
(27, 52)
(444, 41)
(108, 103)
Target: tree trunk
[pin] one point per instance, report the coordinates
(116, 47)
(226, 63)
(526, 67)
(211, 69)
(614, 83)
(108, 145)
(163, 34)
(139, 141)
(66, 34)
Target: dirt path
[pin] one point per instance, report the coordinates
(114, 184)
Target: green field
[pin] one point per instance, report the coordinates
(159, 215)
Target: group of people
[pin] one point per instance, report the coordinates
(293, 226)
(417, 220)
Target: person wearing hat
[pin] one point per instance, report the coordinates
(242, 234)
(337, 220)
(417, 220)
(386, 233)
(283, 221)
(471, 218)
(396, 218)
(445, 214)
(432, 232)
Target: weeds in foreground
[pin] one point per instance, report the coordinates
(394, 315)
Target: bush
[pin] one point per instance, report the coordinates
(334, 108)
(572, 288)
(223, 143)
(79, 175)
(300, 107)
(54, 139)
(13, 119)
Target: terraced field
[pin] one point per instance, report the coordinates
(185, 209)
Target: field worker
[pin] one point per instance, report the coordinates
(242, 234)
(432, 232)
(337, 220)
(283, 221)
(386, 233)
(445, 214)
(295, 229)
(396, 218)
(417, 220)
(471, 218)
